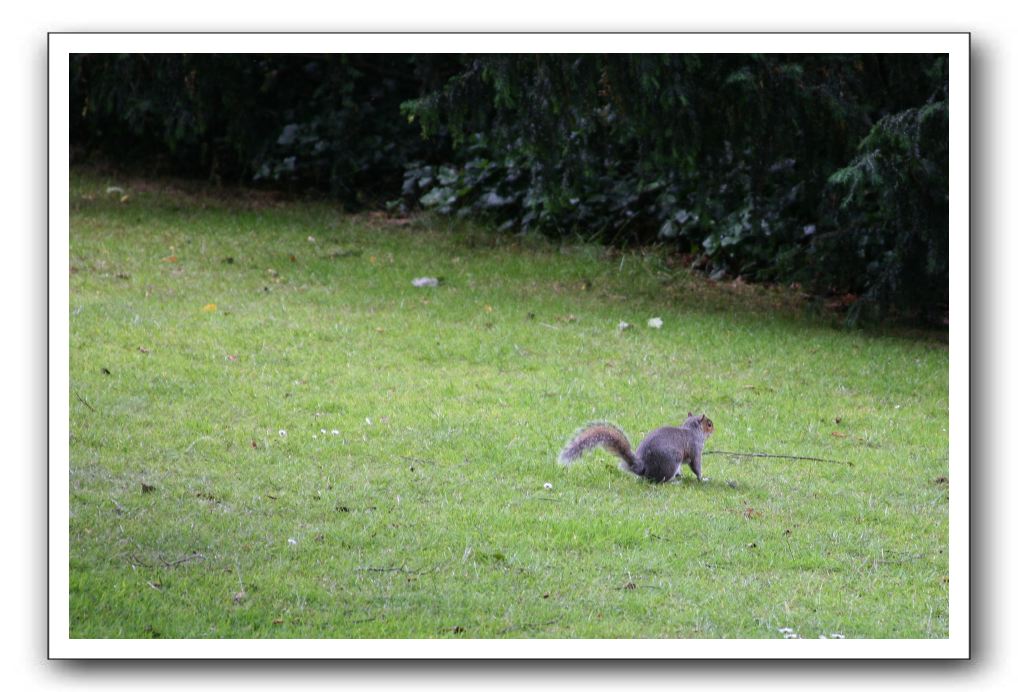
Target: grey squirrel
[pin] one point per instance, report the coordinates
(659, 457)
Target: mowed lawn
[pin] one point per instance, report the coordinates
(274, 434)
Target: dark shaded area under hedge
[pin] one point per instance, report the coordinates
(828, 170)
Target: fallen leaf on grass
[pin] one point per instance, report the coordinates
(239, 597)
(230, 357)
(171, 258)
(106, 371)
(142, 349)
(749, 513)
(209, 307)
(836, 433)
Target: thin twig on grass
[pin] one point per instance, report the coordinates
(401, 568)
(82, 400)
(776, 456)
(404, 570)
(186, 558)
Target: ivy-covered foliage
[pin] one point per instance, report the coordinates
(828, 170)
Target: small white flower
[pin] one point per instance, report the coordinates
(547, 486)
(786, 630)
(334, 431)
(822, 636)
(623, 326)
(291, 541)
(314, 436)
(655, 322)
(425, 282)
(323, 431)
(368, 421)
(282, 433)
(835, 635)
(311, 239)
(792, 635)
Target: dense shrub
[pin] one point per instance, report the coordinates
(328, 122)
(888, 216)
(829, 170)
(752, 162)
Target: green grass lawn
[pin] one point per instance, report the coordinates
(407, 496)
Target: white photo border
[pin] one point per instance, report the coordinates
(62, 45)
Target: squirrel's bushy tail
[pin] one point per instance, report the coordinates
(604, 435)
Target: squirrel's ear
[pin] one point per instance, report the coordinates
(702, 417)
(689, 415)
